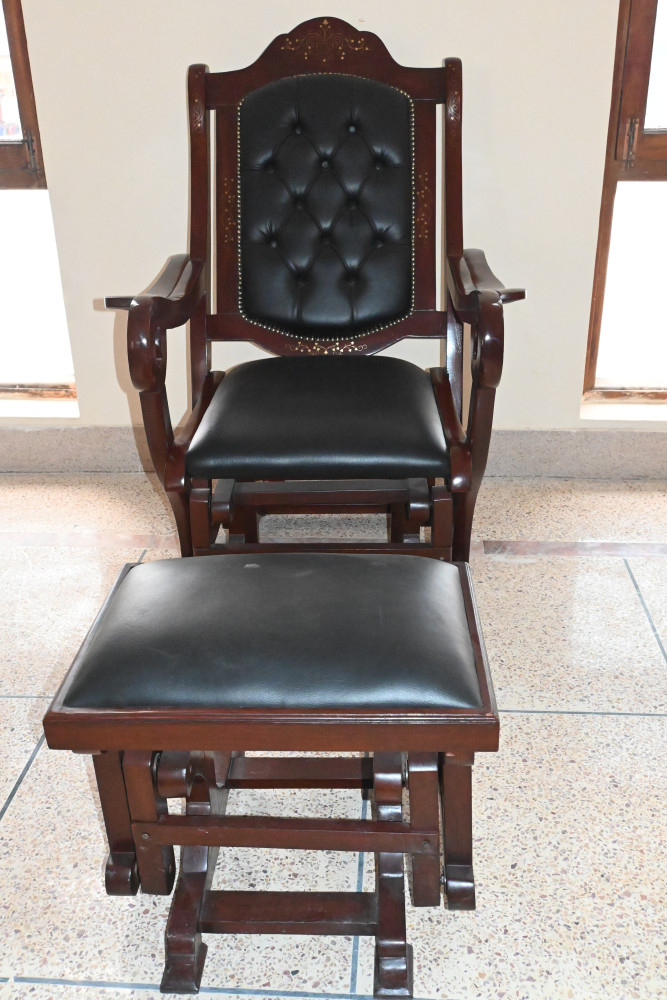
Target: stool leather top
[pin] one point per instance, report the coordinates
(297, 630)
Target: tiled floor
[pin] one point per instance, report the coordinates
(570, 816)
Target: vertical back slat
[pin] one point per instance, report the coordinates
(199, 214)
(227, 236)
(452, 152)
(424, 221)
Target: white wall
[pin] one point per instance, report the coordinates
(109, 80)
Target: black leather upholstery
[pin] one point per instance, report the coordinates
(274, 630)
(326, 205)
(321, 418)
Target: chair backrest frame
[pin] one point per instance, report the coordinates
(327, 45)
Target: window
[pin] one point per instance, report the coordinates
(627, 347)
(21, 163)
(36, 370)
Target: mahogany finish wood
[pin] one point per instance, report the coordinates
(121, 877)
(426, 753)
(473, 297)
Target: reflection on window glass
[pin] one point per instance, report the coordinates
(656, 104)
(10, 123)
(633, 341)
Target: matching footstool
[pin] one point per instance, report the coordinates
(193, 662)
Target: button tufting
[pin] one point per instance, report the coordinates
(300, 215)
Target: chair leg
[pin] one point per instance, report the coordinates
(181, 508)
(393, 955)
(185, 952)
(456, 784)
(424, 807)
(121, 876)
(464, 511)
(156, 862)
(244, 525)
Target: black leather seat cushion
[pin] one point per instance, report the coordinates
(302, 630)
(321, 418)
(326, 205)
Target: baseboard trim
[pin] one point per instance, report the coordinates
(579, 454)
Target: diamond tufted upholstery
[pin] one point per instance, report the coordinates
(326, 205)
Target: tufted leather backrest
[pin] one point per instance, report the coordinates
(326, 205)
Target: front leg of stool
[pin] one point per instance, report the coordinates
(424, 815)
(393, 955)
(456, 785)
(121, 877)
(185, 952)
(156, 862)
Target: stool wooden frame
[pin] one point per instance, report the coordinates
(431, 752)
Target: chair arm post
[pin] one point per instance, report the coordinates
(460, 458)
(486, 364)
(169, 302)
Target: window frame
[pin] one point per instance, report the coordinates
(632, 154)
(21, 162)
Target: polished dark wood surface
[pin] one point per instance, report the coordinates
(143, 757)
(473, 297)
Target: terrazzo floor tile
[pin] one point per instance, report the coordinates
(650, 576)
(56, 922)
(50, 597)
(118, 503)
(369, 527)
(568, 635)
(570, 841)
(572, 510)
(21, 728)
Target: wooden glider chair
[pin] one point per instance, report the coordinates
(322, 250)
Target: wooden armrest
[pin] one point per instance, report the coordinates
(471, 274)
(172, 295)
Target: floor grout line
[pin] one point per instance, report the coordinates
(576, 711)
(646, 610)
(21, 776)
(210, 990)
(215, 990)
(46, 697)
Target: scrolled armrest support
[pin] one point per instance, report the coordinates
(169, 302)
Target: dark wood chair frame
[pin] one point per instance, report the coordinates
(135, 780)
(182, 294)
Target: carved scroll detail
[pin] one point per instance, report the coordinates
(421, 213)
(328, 347)
(198, 114)
(229, 209)
(325, 44)
(454, 107)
